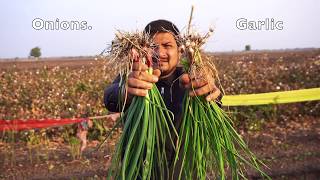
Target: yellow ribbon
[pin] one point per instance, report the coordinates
(272, 97)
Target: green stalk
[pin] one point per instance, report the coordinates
(140, 152)
(210, 141)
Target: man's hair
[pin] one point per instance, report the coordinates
(161, 25)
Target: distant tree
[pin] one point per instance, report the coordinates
(35, 52)
(248, 48)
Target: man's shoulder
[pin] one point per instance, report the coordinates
(179, 70)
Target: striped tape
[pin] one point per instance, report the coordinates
(272, 97)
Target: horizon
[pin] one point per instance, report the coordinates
(213, 52)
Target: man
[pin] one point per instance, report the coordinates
(169, 78)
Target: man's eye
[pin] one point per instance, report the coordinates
(167, 45)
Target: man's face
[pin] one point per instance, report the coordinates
(168, 52)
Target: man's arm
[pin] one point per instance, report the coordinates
(111, 96)
(219, 100)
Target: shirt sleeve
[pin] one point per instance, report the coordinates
(219, 100)
(111, 96)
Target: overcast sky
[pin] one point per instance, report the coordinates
(299, 21)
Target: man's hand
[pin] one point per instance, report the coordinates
(201, 87)
(139, 80)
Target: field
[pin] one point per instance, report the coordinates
(286, 137)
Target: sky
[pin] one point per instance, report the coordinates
(23, 23)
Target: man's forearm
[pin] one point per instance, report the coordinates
(111, 98)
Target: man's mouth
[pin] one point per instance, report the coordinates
(164, 60)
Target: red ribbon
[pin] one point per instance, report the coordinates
(18, 125)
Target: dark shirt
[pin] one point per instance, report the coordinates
(169, 88)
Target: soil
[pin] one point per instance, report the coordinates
(290, 149)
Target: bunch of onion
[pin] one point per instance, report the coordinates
(140, 152)
(207, 139)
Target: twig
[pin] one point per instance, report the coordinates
(190, 19)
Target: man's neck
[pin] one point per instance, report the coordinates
(167, 75)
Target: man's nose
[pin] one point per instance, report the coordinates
(162, 52)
